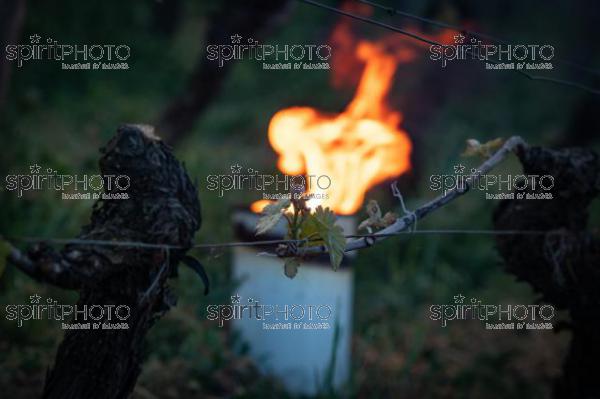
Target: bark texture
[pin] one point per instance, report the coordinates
(163, 208)
(564, 264)
(12, 17)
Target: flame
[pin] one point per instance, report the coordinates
(359, 147)
(258, 206)
(356, 149)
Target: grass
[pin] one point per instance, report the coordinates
(60, 119)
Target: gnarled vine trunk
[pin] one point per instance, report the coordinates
(162, 208)
(564, 263)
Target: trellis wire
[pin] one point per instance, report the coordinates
(415, 36)
(140, 244)
(469, 32)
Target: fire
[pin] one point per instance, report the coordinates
(258, 206)
(357, 148)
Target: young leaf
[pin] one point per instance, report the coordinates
(388, 219)
(474, 147)
(271, 215)
(331, 234)
(374, 213)
(375, 220)
(290, 267)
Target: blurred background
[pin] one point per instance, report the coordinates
(217, 117)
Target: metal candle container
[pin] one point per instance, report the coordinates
(291, 341)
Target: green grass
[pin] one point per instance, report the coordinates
(60, 119)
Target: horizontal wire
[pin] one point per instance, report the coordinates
(139, 244)
(457, 232)
(469, 32)
(529, 76)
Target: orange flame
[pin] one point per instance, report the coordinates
(358, 148)
(258, 206)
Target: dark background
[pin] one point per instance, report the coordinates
(59, 119)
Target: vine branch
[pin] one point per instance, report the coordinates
(514, 143)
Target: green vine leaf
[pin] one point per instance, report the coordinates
(271, 215)
(322, 222)
(290, 268)
(375, 219)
